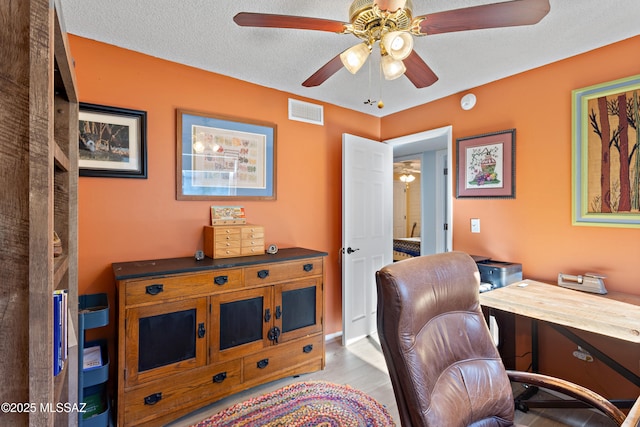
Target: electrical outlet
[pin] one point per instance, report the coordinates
(475, 225)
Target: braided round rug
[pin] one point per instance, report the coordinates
(314, 403)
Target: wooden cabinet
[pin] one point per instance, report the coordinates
(233, 241)
(38, 166)
(191, 332)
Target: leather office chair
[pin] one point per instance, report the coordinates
(444, 367)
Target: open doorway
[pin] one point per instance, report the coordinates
(407, 208)
(429, 155)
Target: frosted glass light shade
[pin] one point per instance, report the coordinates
(397, 44)
(354, 58)
(391, 68)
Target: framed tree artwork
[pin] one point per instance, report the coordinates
(605, 154)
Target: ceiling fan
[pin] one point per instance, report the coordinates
(391, 24)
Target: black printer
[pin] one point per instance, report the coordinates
(496, 274)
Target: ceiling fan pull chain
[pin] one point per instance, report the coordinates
(380, 103)
(369, 101)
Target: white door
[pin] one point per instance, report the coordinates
(367, 230)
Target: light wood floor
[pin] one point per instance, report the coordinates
(362, 366)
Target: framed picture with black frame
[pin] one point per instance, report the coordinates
(112, 142)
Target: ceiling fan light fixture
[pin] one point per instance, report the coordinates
(354, 58)
(407, 178)
(398, 44)
(391, 68)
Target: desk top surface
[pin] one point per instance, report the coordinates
(614, 315)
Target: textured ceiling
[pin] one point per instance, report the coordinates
(202, 34)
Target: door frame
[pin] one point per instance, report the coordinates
(416, 145)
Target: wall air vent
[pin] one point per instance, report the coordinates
(306, 112)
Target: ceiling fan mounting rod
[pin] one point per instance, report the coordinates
(368, 21)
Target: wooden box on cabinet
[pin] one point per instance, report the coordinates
(233, 241)
(191, 332)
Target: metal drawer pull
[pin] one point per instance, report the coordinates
(201, 330)
(218, 378)
(307, 267)
(263, 274)
(221, 280)
(263, 363)
(154, 289)
(152, 399)
(307, 348)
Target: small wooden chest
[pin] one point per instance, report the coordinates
(233, 241)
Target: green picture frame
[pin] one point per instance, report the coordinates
(606, 154)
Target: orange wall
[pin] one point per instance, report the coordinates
(136, 219)
(535, 228)
(131, 219)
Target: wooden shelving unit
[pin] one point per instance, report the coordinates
(38, 183)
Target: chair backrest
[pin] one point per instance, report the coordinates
(444, 367)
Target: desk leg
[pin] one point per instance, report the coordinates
(530, 391)
(535, 366)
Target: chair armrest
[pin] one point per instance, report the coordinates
(572, 390)
(633, 417)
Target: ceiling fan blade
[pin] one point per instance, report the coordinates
(418, 72)
(248, 19)
(390, 5)
(495, 15)
(326, 71)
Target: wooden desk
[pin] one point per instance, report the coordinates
(614, 315)
(600, 314)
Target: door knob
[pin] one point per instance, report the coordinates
(350, 251)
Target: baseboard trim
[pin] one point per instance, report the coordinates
(330, 337)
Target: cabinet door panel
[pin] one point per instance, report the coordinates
(240, 322)
(298, 308)
(165, 339)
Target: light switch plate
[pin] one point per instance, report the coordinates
(475, 225)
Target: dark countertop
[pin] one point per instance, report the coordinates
(159, 267)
